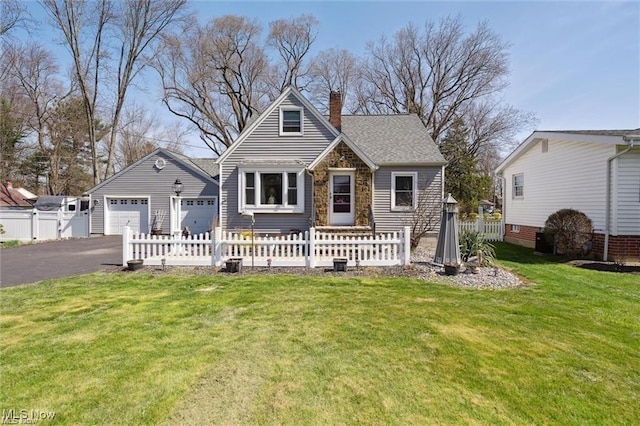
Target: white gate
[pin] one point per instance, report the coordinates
(30, 225)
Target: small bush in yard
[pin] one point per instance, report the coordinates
(472, 242)
(570, 230)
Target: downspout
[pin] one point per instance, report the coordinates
(313, 197)
(607, 216)
(504, 205)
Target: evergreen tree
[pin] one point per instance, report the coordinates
(464, 179)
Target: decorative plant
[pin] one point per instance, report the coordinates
(570, 230)
(472, 243)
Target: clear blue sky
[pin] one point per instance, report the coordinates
(576, 65)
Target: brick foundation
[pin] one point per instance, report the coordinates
(620, 246)
(626, 247)
(525, 237)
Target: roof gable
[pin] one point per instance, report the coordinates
(343, 138)
(308, 106)
(608, 137)
(184, 160)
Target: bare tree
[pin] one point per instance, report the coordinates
(441, 73)
(291, 39)
(83, 26)
(424, 219)
(214, 77)
(138, 23)
(333, 70)
(12, 15)
(219, 76)
(34, 70)
(142, 133)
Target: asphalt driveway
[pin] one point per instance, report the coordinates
(56, 259)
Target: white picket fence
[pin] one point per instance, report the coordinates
(311, 248)
(36, 225)
(492, 230)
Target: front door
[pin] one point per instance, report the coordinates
(341, 198)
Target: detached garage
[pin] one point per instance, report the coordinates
(143, 197)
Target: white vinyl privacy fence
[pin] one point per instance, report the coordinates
(35, 225)
(311, 248)
(492, 230)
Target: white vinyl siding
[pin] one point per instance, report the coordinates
(627, 194)
(570, 175)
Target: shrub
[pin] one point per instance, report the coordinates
(570, 230)
(472, 242)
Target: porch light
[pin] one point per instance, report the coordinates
(177, 187)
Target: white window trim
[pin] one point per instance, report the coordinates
(513, 187)
(291, 108)
(413, 175)
(270, 208)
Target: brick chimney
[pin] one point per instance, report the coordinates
(335, 110)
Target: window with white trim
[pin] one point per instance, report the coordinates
(404, 190)
(271, 191)
(291, 119)
(518, 186)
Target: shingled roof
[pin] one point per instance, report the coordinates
(207, 165)
(12, 197)
(627, 132)
(392, 139)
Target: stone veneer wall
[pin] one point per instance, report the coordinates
(362, 184)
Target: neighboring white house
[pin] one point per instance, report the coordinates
(594, 171)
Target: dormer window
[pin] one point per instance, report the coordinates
(291, 121)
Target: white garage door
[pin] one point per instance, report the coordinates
(197, 214)
(131, 212)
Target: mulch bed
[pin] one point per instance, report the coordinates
(607, 266)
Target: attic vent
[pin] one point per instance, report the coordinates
(545, 145)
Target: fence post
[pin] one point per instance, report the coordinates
(311, 248)
(126, 236)
(216, 249)
(480, 222)
(406, 253)
(34, 225)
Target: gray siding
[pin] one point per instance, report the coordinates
(429, 187)
(144, 179)
(265, 143)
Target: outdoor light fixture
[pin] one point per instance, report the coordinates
(177, 187)
(96, 201)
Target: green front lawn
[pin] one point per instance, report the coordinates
(134, 348)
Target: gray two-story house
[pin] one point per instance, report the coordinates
(294, 168)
